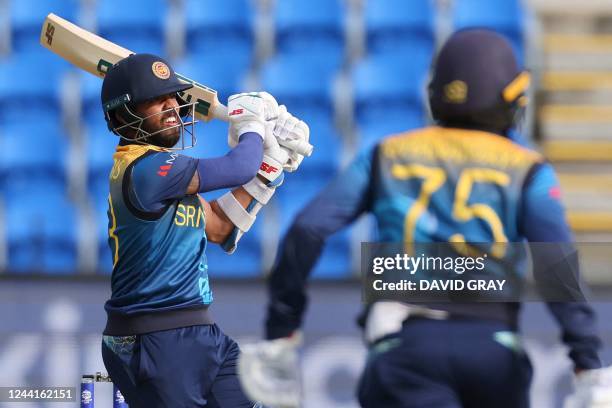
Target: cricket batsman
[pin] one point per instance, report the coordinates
(462, 180)
(161, 347)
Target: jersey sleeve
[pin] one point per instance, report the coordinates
(339, 204)
(160, 177)
(555, 265)
(542, 217)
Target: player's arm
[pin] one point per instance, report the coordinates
(556, 265)
(218, 225)
(162, 177)
(338, 205)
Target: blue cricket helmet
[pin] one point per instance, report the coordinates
(136, 79)
(477, 82)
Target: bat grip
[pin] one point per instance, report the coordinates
(300, 146)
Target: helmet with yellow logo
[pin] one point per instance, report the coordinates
(477, 82)
(137, 79)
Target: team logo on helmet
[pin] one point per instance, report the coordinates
(160, 70)
(456, 92)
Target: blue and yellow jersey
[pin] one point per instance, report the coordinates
(439, 185)
(156, 233)
(449, 185)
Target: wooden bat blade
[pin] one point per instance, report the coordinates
(81, 48)
(96, 55)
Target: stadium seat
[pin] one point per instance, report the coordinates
(225, 73)
(100, 145)
(211, 140)
(219, 26)
(245, 262)
(138, 25)
(310, 27)
(399, 26)
(306, 90)
(294, 80)
(370, 133)
(297, 191)
(32, 153)
(91, 105)
(504, 16)
(41, 230)
(27, 16)
(30, 85)
(388, 95)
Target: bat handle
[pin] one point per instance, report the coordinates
(300, 146)
(220, 112)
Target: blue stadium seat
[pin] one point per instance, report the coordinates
(306, 90)
(225, 72)
(137, 25)
(219, 26)
(32, 153)
(391, 122)
(41, 230)
(99, 147)
(309, 27)
(504, 16)
(26, 17)
(244, 262)
(335, 261)
(389, 94)
(211, 140)
(294, 80)
(399, 26)
(291, 198)
(30, 84)
(91, 105)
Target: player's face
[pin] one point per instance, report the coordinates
(158, 120)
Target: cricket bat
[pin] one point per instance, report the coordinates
(96, 55)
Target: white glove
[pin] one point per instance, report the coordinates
(293, 135)
(269, 371)
(274, 158)
(593, 388)
(248, 112)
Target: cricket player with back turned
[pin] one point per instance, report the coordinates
(161, 346)
(421, 187)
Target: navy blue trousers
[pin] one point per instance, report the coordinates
(186, 367)
(447, 364)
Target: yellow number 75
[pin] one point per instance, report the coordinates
(433, 179)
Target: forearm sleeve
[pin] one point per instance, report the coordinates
(235, 168)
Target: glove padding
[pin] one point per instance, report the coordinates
(593, 388)
(248, 112)
(269, 371)
(274, 158)
(293, 136)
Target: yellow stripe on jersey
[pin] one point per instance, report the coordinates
(111, 231)
(459, 146)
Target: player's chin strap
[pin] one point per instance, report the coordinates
(243, 218)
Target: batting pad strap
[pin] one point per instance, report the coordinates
(259, 191)
(235, 212)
